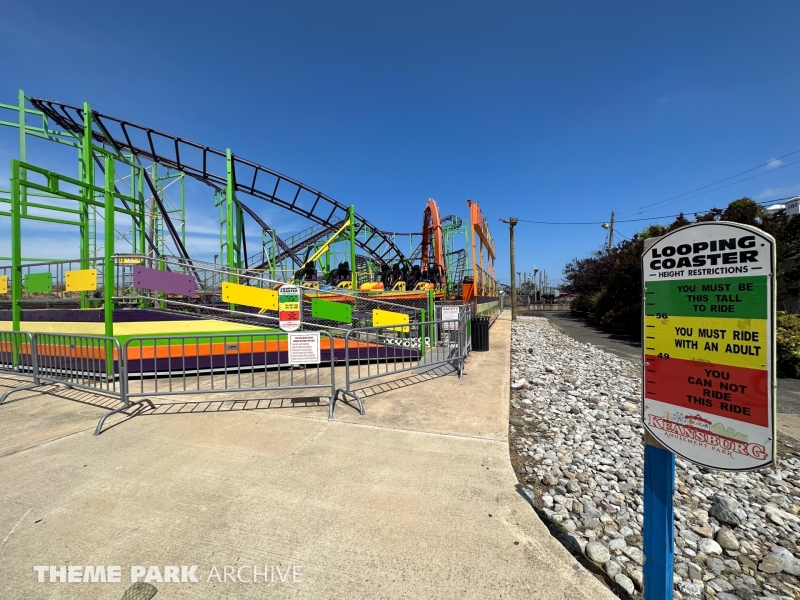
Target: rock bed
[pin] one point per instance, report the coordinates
(576, 443)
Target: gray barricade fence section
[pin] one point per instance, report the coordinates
(445, 311)
(146, 367)
(225, 363)
(418, 348)
(18, 358)
(79, 361)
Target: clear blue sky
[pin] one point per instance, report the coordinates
(554, 111)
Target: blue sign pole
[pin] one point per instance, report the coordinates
(659, 528)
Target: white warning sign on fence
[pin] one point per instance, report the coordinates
(450, 314)
(304, 348)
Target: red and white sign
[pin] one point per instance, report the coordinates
(290, 307)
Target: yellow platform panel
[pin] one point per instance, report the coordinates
(249, 296)
(381, 318)
(3, 284)
(83, 280)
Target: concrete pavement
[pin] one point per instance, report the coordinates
(417, 499)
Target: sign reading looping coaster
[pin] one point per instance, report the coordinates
(290, 307)
(709, 377)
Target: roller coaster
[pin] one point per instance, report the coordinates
(128, 205)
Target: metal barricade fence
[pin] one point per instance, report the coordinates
(375, 352)
(222, 363)
(147, 366)
(92, 363)
(465, 314)
(79, 361)
(18, 358)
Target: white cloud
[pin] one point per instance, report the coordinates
(774, 163)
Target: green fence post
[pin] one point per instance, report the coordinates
(422, 329)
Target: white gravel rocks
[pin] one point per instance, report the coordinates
(576, 425)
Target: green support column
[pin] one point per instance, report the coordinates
(142, 214)
(16, 247)
(230, 231)
(143, 225)
(87, 177)
(23, 148)
(354, 274)
(238, 223)
(273, 250)
(108, 244)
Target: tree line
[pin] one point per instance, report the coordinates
(607, 285)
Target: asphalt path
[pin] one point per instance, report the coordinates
(624, 346)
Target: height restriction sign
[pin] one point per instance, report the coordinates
(290, 306)
(708, 372)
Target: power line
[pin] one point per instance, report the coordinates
(721, 181)
(637, 220)
(722, 187)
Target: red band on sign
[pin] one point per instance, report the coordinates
(732, 392)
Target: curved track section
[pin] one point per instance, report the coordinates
(209, 166)
(288, 251)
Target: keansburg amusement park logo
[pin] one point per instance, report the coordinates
(697, 430)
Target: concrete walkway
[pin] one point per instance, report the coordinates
(417, 499)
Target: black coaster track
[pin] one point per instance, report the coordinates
(209, 166)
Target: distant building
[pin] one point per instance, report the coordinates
(791, 206)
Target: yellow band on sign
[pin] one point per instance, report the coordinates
(290, 306)
(734, 342)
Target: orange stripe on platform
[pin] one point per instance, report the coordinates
(219, 348)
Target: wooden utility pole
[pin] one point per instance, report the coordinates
(512, 221)
(611, 232)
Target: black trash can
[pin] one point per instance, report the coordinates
(480, 334)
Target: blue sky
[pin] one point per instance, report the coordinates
(558, 111)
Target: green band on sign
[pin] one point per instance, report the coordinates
(727, 297)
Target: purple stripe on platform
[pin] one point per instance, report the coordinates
(92, 315)
(245, 360)
(164, 281)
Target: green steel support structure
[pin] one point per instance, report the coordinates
(108, 246)
(351, 213)
(16, 246)
(85, 195)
